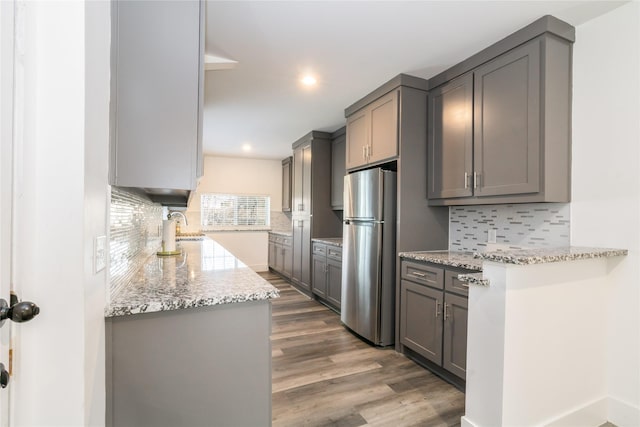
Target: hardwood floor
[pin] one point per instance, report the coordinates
(325, 376)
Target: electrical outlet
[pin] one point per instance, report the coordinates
(492, 235)
(100, 253)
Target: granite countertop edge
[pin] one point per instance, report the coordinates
(281, 233)
(474, 279)
(549, 255)
(332, 241)
(464, 260)
(179, 304)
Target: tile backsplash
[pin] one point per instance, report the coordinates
(521, 225)
(280, 221)
(135, 233)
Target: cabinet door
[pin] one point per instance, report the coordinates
(306, 179)
(286, 185)
(338, 147)
(421, 320)
(298, 170)
(334, 282)
(383, 143)
(279, 255)
(450, 139)
(357, 139)
(319, 276)
(157, 80)
(507, 123)
(272, 255)
(287, 261)
(454, 357)
(305, 244)
(296, 270)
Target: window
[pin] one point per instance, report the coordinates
(234, 212)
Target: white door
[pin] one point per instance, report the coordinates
(6, 179)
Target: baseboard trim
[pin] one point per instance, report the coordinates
(259, 268)
(465, 422)
(593, 414)
(623, 414)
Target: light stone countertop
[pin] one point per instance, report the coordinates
(205, 274)
(286, 233)
(474, 260)
(474, 279)
(333, 241)
(547, 255)
(447, 258)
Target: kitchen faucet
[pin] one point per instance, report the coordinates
(171, 214)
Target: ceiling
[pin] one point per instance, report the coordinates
(351, 46)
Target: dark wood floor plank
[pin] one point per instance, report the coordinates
(323, 375)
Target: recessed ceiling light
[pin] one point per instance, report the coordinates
(308, 80)
(246, 147)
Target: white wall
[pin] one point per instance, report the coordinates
(240, 176)
(96, 201)
(62, 205)
(605, 210)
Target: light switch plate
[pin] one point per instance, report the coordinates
(100, 253)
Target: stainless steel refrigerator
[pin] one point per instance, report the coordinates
(368, 256)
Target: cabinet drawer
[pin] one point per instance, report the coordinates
(334, 253)
(455, 285)
(423, 274)
(319, 249)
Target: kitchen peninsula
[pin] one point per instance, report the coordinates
(537, 319)
(188, 342)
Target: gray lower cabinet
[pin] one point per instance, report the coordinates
(190, 367)
(500, 132)
(157, 95)
(433, 314)
(327, 274)
(280, 254)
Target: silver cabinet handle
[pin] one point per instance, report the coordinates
(466, 180)
(446, 314)
(476, 179)
(415, 273)
(437, 308)
(364, 152)
(464, 285)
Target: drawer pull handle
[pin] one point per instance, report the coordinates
(437, 308)
(415, 273)
(446, 314)
(464, 285)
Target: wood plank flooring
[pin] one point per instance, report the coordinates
(325, 376)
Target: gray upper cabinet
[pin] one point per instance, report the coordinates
(286, 184)
(372, 132)
(500, 121)
(450, 139)
(507, 123)
(338, 170)
(157, 95)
